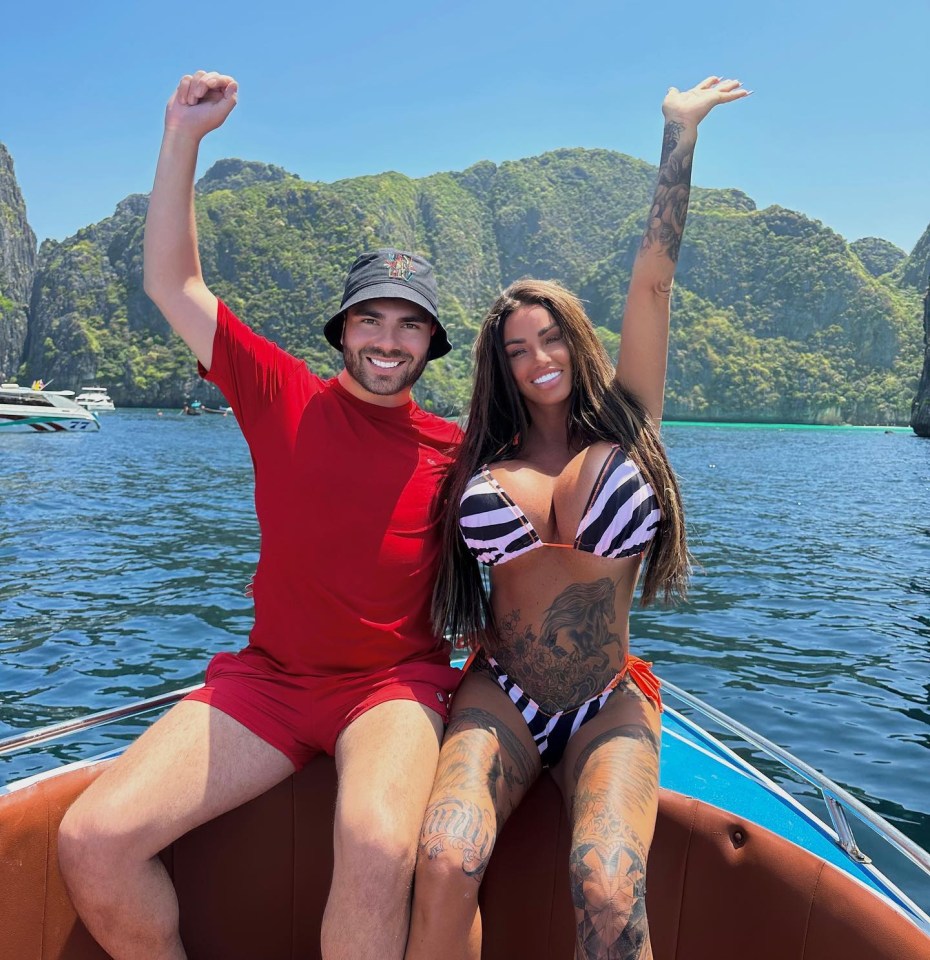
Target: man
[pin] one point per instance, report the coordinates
(341, 658)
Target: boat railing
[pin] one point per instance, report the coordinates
(56, 731)
(837, 800)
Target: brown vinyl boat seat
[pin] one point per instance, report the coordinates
(252, 884)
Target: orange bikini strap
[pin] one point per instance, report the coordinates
(471, 658)
(640, 671)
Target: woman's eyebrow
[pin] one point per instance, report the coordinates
(541, 333)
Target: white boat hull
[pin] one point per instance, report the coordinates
(94, 399)
(23, 410)
(45, 424)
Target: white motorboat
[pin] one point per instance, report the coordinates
(95, 398)
(23, 409)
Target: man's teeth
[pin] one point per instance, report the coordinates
(385, 364)
(546, 377)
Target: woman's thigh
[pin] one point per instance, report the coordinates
(609, 777)
(487, 764)
(617, 754)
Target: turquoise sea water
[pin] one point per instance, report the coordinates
(124, 556)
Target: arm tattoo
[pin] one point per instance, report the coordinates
(569, 662)
(666, 223)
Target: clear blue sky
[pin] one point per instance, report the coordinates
(838, 127)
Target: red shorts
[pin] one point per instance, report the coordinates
(302, 715)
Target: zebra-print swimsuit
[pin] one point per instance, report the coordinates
(619, 519)
(552, 731)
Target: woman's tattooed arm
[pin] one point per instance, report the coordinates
(643, 357)
(666, 224)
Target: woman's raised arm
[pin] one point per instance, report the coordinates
(644, 331)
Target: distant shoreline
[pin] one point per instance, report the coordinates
(729, 424)
(769, 425)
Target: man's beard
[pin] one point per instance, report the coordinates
(384, 383)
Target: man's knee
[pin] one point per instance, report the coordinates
(370, 894)
(79, 845)
(372, 852)
(91, 841)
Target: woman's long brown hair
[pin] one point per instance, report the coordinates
(498, 420)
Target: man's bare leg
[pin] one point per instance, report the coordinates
(192, 765)
(386, 761)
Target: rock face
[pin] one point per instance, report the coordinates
(878, 256)
(17, 267)
(920, 412)
(233, 174)
(91, 322)
(775, 316)
(914, 270)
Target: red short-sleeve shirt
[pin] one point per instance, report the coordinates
(343, 490)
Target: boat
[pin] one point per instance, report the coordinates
(23, 409)
(738, 867)
(95, 398)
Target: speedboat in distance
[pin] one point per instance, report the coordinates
(23, 409)
(95, 398)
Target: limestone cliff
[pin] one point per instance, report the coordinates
(775, 316)
(878, 256)
(17, 267)
(913, 271)
(920, 412)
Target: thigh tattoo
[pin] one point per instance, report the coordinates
(639, 778)
(475, 790)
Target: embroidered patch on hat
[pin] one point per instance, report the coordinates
(400, 266)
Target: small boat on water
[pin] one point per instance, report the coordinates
(95, 398)
(24, 409)
(738, 868)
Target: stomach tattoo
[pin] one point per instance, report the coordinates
(568, 661)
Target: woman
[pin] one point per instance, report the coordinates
(562, 488)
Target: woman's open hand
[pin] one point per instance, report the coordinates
(689, 107)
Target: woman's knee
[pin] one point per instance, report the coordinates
(608, 886)
(456, 842)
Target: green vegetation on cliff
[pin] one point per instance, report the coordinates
(774, 315)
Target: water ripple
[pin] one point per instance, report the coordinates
(124, 556)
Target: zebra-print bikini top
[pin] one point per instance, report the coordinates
(619, 520)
